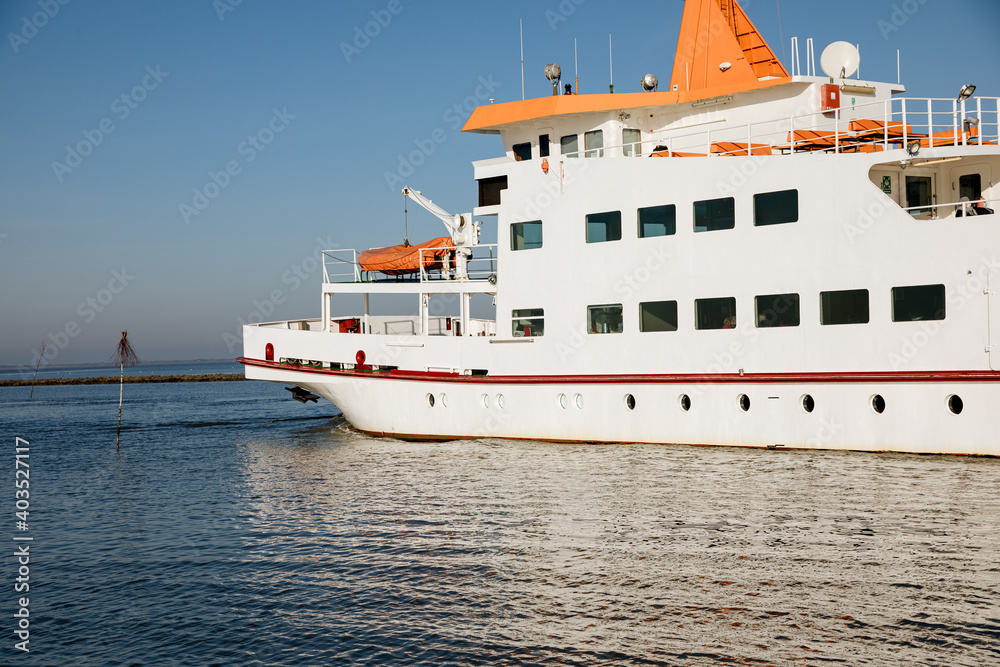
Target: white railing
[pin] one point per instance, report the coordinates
(480, 263)
(341, 266)
(930, 121)
(957, 205)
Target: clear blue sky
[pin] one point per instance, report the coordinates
(162, 94)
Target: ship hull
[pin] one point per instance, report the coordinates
(949, 413)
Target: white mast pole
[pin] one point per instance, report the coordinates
(521, 24)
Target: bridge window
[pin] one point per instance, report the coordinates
(570, 145)
(657, 221)
(715, 313)
(844, 307)
(593, 142)
(604, 227)
(775, 208)
(543, 145)
(604, 319)
(714, 214)
(777, 310)
(658, 316)
(917, 303)
(527, 322)
(526, 235)
(630, 142)
(522, 151)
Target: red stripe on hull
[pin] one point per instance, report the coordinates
(695, 378)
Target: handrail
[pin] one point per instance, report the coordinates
(933, 121)
(957, 205)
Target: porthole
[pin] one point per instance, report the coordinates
(444, 400)
(501, 401)
(578, 400)
(685, 402)
(808, 404)
(744, 402)
(486, 400)
(430, 400)
(563, 401)
(878, 404)
(955, 404)
(630, 401)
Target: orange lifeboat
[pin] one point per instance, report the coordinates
(400, 260)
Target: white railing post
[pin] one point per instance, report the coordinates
(357, 267)
(902, 106)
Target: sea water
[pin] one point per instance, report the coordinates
(238, 527)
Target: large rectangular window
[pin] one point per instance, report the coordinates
(522, 151)
(777, 310)
(776, 208)
(527, 322)
(844, 307)
(713, 214)
(657, 221)
(917, 303)
(630, 142)
(593, 141)
(658, 316)
(526, 235)
(604, 227)
(604, 319)
(715, 313)
(570, 145)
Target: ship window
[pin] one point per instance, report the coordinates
(570, 145)
(778, 310)
(604, 227)
(658, 316)
(713, 214)
(657, 221)
(604, 319)
(920, 302)
(971, 186)
(593, 142)
(489, 190)
(528, 322)
(522, 151)
(543, 145)
(775, 208)
(844, 307)
(715, 313)
(919, 193)
(526, 235)
(630, 142)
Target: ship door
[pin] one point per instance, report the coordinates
(993, 287)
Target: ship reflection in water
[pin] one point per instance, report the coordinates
(386, 552)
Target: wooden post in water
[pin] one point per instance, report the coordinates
(125, 356)
(41, 354)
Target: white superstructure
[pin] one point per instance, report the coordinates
(748, 258)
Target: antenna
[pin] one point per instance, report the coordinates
(611, 66)
(521, 24)
(840, 60)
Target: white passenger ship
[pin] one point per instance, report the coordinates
(752, 257)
